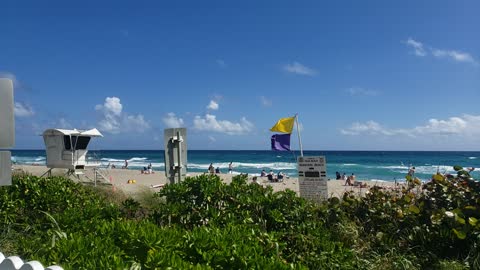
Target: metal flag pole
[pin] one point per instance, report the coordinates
(298, 132)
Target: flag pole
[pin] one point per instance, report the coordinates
(298, 132)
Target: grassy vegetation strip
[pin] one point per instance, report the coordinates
(203, 223)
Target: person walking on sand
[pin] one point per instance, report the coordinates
(230, 168)
(411, 171)
(211, 169)
(150, 168)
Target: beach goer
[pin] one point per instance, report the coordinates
(350, 180)
(271, 176)
(217, 170)
(125, 166)
(411, 171)
(338, 176)
(344, 177)
(230, 168)
(150, 168)
(280, 176)
(263, 173)
(211, 169)
(254, 180)
(145, 170)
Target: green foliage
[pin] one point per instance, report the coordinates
(203, 223)
(207, 201)
(438, 219)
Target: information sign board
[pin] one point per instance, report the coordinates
(312, 177)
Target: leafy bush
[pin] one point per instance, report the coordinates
(203, 223)
(438, 220)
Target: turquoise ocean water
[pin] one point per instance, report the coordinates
(367, 165)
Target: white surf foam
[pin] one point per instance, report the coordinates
(273, 166)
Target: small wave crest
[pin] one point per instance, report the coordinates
(272, 166)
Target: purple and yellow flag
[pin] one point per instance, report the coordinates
(281, 142)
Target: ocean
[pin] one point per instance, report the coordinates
(366, 165)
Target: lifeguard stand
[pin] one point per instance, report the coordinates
(67, 149)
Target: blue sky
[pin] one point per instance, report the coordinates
(362, 75)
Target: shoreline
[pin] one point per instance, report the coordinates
(119, 179)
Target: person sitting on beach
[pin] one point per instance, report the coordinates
(144, 171)
(271, 177)
(344, 177)
(280, 176)
(338, 176)
(350, 180)
(254, 180)
(263, 173)
(217, 170)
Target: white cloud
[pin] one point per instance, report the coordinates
(210, 123)
(112, 105)
(135, 123)
(369, 127)
(265, 101)
(221, 63)
(466, 125)
(417, 47)
(172, 121)
(116, 121)
(354, 91)
(454, 55)
(23, 110)
(212, 105)
(298, 68)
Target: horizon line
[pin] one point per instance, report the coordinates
(245, 150)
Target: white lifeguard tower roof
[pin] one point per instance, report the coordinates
(73, 132)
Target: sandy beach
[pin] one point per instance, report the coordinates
(118, 179)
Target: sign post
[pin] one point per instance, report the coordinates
(175, 142)
(7, 130)
(312, 178)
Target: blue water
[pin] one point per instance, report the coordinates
(369, 165)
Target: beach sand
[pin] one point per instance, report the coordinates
(118, 179)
